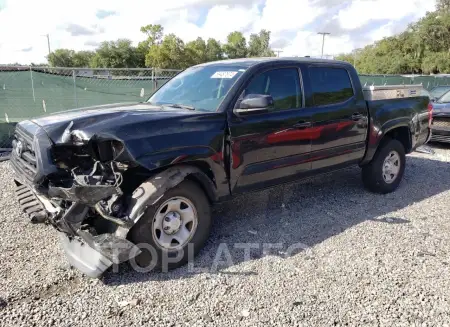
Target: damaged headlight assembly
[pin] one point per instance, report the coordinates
(88, 192)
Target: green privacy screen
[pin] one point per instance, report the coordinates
(27, 92)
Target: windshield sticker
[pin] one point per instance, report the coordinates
(224, 74)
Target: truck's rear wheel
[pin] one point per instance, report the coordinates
(385, 172)
(174, 229)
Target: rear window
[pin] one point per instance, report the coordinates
(330, 85)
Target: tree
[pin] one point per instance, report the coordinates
(82, 58)
(423, 48)
(436, 62)
(117, 54)
(443, 5)
(169, 54)
(213, 50)
(195, 52)
(259, 45)
(61, 58)
(154, 34)
(236, 46)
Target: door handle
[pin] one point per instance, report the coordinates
(357, 116)
(303, 124)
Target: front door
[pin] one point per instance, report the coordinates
(272, 147)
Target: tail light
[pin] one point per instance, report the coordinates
(430, 114)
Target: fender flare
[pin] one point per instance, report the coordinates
(379, 133)
(149, 192)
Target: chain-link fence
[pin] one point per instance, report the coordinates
(35, 91)
(27, 92)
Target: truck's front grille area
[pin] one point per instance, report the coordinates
(30, 204)
(441, 122)
(23, 157)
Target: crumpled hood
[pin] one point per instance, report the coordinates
(106, 120)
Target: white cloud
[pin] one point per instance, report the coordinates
(385, 30)
(280, 15)
(310, 44)
(217, 23)
(293, 23)
(360, 12)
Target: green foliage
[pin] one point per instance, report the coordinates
(436, 62)
(161, 51)
(117, 54)
(61, 58)
(168, 54)
(213, 50)
(259, 45)
(236, 46)
(82, 58)
(154, 34)
(195, 52)
(443, 5)
(423, 48)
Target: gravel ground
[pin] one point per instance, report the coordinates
(360, 259)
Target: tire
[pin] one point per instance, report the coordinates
(145, 235)
(373, 175)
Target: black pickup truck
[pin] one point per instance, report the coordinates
(135, 181)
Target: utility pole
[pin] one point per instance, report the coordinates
(278, 52)
(355, 58)
(323, 39)
(48, 42)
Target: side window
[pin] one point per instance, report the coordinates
(282, 84)
(330, 85)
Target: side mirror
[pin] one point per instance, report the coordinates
(433, 99)
(254, 103)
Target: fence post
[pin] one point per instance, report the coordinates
(153, 80)
(32, 84)
(75, 87)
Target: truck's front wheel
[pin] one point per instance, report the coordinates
(174, 229)
(385, 172)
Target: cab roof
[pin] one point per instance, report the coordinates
(248, 62)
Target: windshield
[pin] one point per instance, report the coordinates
(202, 87)
(439, 91)
(445, 98)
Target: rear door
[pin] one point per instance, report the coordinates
(339, 117)
(272, 147)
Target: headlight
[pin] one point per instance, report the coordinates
(108, 150)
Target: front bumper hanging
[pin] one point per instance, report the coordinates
(91, 254)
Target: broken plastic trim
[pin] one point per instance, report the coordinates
(88, 189)
(119, 221)
(72, 219)
(86, 194)
(115, 248)
(149, 192)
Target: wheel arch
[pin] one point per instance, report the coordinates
(153, 188)
(400, 131)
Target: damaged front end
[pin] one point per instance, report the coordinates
(83, 196)
(91, 189)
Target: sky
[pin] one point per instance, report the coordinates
(294, 24)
